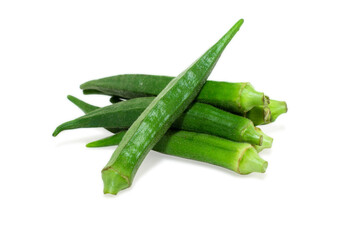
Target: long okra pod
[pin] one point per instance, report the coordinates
(199, 117)
(238, 157)
(157, 118)
(233, 97)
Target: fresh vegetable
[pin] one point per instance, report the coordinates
(199, 117)
(157, 118)
(144, 107)
(238, 157)
(267, 141)
(233, 97)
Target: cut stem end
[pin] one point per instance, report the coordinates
(252, 162)
(113, 181)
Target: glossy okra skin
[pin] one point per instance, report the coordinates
(199, 117)
(233, 97)
(157, 118)
(235, 156)
(261, 115)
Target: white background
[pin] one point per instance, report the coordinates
(304, 52)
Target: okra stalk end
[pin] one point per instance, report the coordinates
(252, 136)
(259, 115)
(114, 181)
(277, 108)
(267, 141)
(250, 98)
(252, 162)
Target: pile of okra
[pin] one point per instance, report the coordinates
(187, 116)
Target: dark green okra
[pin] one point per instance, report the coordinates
(199, 117)
(238, 157)
(233, 97)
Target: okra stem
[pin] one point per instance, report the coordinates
(261, 115)
(267, 141)
(277, 108)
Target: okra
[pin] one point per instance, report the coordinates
(238, 157)
(199, 117)
(233, 97)
(157, 118)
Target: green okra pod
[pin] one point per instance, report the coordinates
(238, 157)
(157, 118)
(233, 97)
(199, 117)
